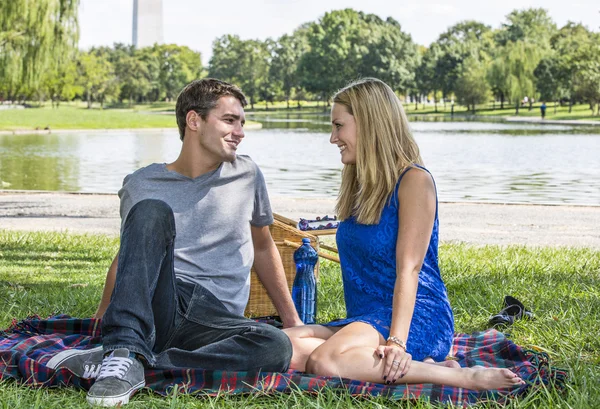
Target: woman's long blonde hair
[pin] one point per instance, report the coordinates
(384, 148)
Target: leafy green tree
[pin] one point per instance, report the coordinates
(521, 59)
(532, 25)
(573, 45)
(61, 82)
(461, 41)
(33, 34)
(345, 45)
(550, 80)
(242, 62)
(284, 66)
(133, 77)
(427, 79)
(471, 85)
(497, 76)
(175, 67)
(96, 77)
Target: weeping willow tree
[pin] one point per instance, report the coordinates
(521, 59)
(36, 38)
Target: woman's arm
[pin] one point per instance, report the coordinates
(416, 212)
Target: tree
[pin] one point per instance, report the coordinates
(471, 85)
(176, 66)
(243, 62)
(521, 59)
(345, 45)
(284, 66)
(497, 76)
(133, 77)
(574, 45)
(96, 77)
(33, 34)
(550, 80)
(532, 25)
(426, 75)
(463, 40)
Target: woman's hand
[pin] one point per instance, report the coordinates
(396, 362)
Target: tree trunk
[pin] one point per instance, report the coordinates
(530, 105)
(555, 104)
(89, 100)
(570, 104)
(452, 110)
(287, 100)
(502, 100)
(435, 102)
(517, 108)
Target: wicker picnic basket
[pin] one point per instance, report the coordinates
(287, 238)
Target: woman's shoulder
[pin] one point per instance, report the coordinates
(416, 180)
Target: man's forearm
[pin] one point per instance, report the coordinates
(268, 266)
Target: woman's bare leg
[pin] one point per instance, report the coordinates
(305, 339)
(447, 363)
(351, 353)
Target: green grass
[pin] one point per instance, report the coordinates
(161, 114)
(47, 273)
(579, 112)
(76, 116)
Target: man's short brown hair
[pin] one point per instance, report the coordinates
(201, 96)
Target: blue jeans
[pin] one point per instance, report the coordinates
(173, 324)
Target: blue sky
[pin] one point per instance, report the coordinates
(197, 23)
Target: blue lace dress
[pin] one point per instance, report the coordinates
(368, 260)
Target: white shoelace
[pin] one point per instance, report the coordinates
(114, 366)
(91, 371)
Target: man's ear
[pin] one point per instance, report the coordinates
(193, 120)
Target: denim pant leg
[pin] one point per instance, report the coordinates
(208, 336)
(143, 307)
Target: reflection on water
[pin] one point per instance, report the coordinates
(471, 161)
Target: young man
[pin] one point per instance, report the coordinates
(190, 233)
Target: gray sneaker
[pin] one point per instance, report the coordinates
(85, 363)
(120, 377)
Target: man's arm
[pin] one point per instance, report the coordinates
(109, 284)
(268, 266)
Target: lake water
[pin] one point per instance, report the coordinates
(471, 161)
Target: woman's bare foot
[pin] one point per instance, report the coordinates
(448, 364)
(491, 378)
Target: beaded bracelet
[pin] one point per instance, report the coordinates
(398, 342)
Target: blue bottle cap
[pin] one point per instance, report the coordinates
(305, 240)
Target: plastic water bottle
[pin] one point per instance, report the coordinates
(304, 289)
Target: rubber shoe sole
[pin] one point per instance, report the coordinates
(110, 401)
(58, 359)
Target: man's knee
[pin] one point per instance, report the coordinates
(151, 214)
(278, 347)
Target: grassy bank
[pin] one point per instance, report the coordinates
(47, 273)
(76, 116)
(579, 112)
(160, 115)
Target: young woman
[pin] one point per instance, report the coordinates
(399, 323)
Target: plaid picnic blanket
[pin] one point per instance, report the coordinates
(26, 346)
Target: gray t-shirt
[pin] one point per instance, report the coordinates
(213, 214)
